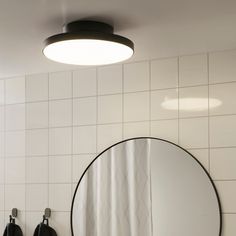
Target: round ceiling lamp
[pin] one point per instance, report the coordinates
(88, 43)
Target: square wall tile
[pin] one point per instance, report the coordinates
(2, 170)
(193, 132)
(136, 77)
(15, 90)
(193, 70)
(15, 117)
(164, 104)
(60, 141)
(37, 87)
(60, 85)
(222, 66)
(60, 169)
(36, 197)
(2, 118)
(15, 196)
(37, 142)
(225, 94)
(223, 131)
(61, 223)
(32, 220)
(2, 221)
(108, 135)
(136, 129)
(37, 169)
(202, 155)
(136, 106)
(164, 73)
(84, 83)
(85, 111)
(223, 163)
(165, 129)
(15, 139)
(60, 113)
(229, 226)
(80, 163)
(37, 115)
(15, 170)
(84, 139)
(1, 197)
(3, 145)
(227, 192)
(110, 79)
(193, 101)
(110, 109)
(60, 197)
(2, 92)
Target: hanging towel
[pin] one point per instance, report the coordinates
(12, 230)
(44, 230)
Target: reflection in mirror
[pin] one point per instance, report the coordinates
(145, 187)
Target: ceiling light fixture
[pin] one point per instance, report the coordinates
(88, 43)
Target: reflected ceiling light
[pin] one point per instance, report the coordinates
(191, 104)
(88, 43)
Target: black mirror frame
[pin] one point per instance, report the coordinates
(136, 138)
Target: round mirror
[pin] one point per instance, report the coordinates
(145, 187)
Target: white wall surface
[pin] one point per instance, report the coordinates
(53, 125)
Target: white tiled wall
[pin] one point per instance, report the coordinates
(53, 125)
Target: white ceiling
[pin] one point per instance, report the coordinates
(159, 28)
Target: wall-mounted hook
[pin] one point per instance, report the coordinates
(14, 212)
(47, 214)
(13, 215)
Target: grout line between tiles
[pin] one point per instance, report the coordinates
(228, 213)
(72, 137)
(208, 110)
(25, 153)
(50, 156)
(110, 123)
(48, 187)
(150, 99)
(96, 110)
(69, 182)
(4, 152)
(102, 95)
(123, 103)
(78, 154)
(178, 101)
(41, 183)
(224, 180)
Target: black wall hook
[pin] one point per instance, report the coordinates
(47, 214)
(13, 215)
